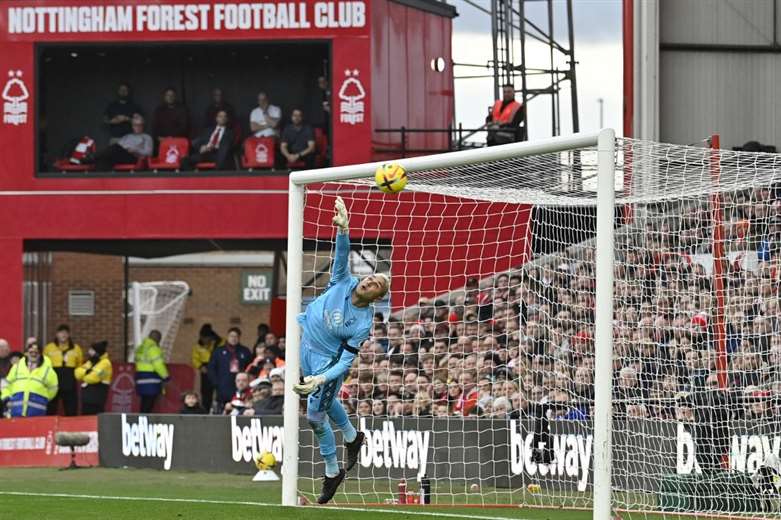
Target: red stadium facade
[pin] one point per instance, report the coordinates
(380, 58)
(380, 55)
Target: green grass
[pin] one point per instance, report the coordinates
(141, 487)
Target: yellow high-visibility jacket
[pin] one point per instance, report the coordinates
(95, 381)
(203, 353)
(92, 375)
(64, 359)
(29, 391)
(63, 356)
(150, 368)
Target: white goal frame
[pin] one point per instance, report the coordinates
(605, 142)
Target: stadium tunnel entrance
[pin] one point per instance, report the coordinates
(233, 283)
(83, 283)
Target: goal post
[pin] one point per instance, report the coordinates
(603, 326)
(438, 167)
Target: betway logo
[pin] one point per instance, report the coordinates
(747, 452)
(571, 455)
(145, 439)
(388, 447)
(247, 442)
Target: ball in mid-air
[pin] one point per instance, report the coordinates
(390, 178)
(265, 461)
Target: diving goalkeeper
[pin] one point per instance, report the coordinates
(334, 326)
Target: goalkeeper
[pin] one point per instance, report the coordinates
(334, 326)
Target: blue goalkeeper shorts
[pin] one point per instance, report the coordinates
(313, 363)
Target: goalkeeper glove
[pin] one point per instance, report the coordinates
(341, 220)
(309, 385)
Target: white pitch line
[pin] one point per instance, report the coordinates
(399, 511)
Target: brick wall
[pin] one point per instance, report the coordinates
(102, 274)
(215, 299)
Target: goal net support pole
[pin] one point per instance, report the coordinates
(136, 322)
(605, 141)
(719, 329)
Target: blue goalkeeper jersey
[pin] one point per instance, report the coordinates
(331, 320)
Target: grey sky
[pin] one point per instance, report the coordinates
(597, 28)
(595, 20)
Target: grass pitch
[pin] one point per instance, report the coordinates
(119, 494)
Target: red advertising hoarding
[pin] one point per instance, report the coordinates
(122, 397)
(29, 442)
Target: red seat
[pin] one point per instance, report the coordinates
(258, 153)
(172, 151)
(64, 166)
(140, 164)
(205, 165)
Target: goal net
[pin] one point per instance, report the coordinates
(157, 306)
(477, 384)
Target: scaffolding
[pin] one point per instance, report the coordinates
(512, 31)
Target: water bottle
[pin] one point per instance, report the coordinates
(402, 491)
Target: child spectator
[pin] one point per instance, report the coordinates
(191, 404)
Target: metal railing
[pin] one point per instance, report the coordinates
(457, 139)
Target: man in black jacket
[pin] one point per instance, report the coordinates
(712, 414)
(214, 145)
(227, 361)
(271, 405)
(120, 112)
(298, 141)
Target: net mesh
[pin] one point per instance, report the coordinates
(160, 306)
(477, 379)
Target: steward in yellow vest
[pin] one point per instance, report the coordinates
(95, 378)
(208, 340)
(151, 371)
(65, 356)
(32, 382)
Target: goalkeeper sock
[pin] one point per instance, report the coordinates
(331, 465)
(327, 441)
(348, 432)
(339, 417)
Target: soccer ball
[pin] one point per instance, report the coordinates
(390, 178)
(265, 461)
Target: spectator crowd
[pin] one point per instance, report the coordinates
(522, 343)
(61, 378)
